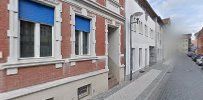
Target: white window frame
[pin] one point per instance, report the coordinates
(81, 44)
(37, 41)
(92, 39)
(14, 33)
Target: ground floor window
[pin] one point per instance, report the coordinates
(27, 39)
(82, 34)
(35, 39)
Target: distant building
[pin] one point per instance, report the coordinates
(185, 43)
(199, 39)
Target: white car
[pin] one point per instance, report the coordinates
(199, 61)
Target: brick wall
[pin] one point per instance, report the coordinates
(200, 45)
(66, 31)
(4, 21)
(102, 2)
(41, 74)
(100, 36)
(122, 3)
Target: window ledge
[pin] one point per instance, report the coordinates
(31, 62)
(82, 58)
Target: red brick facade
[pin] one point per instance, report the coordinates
(100, 36)
(4, 18)
(32, 75)
(199, 38)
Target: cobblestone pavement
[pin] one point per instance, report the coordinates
(185, 81)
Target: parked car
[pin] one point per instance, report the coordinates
(199, 61)
(193, 57)
(189, 54)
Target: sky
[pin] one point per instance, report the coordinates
(186, 15)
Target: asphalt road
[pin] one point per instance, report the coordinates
(185, 81)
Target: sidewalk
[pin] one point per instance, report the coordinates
(142, 85)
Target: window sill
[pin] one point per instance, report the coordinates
(31, 62)
(82, 58)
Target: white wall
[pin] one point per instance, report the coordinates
(138, 40)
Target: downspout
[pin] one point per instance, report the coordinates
(125, 52)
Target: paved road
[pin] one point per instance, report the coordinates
(185, 82)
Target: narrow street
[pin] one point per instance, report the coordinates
(185, 82)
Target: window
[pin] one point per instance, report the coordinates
(83, 91)
(27, 39)
(146, 30)
(82, 34)
(81, 43)
(140, 57)
(35, 29)
(151, 33)
(141, 28)
(77, 41)
(32, 35)
(45, 40)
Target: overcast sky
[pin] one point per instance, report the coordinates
(187, 15)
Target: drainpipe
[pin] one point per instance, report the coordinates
(125, 44)
(131, 63)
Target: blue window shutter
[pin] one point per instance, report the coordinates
(82, 24)
(36, 12)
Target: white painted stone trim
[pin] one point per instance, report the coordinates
(31, 62)
(97, 8)
(74, 10)
(47, 61)
(14, 30)
(11, 71)
(113, 6)
(40, 87)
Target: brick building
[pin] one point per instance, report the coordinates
(199, 41)
(60, 49)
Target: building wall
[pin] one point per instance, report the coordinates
(185, 43)
(69, 91)
(200, 44)
(139, 38)
(4, 18)
(19, 75)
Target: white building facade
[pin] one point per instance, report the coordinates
(146, 36)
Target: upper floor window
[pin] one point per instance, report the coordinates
(146, 30)
(140, 27)
(36, 29)
(82, 34)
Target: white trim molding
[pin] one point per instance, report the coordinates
(76, 10)
(97, 8)
(14, 31)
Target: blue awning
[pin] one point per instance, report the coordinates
(82, 24)
(36, 12)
